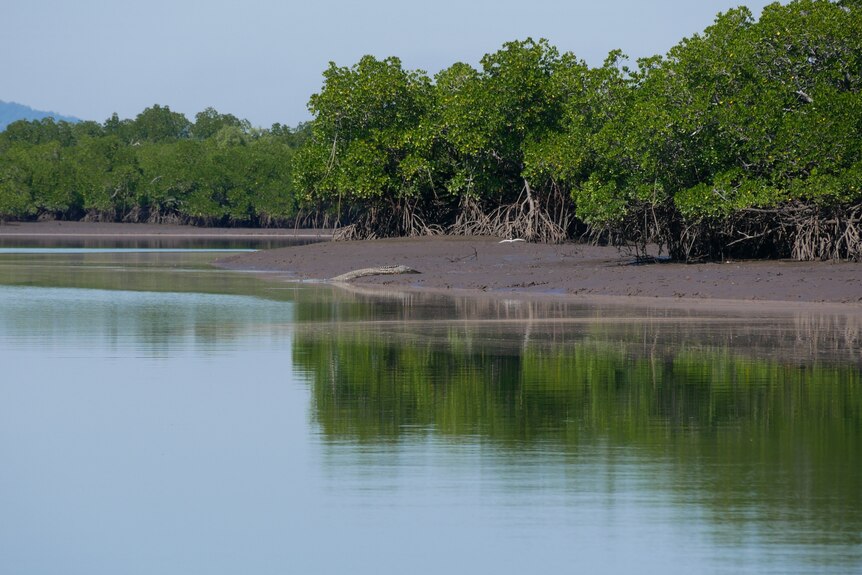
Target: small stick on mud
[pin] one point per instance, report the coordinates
(473, 256)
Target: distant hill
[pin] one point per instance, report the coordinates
(12, 112)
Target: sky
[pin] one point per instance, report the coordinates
(261, 59)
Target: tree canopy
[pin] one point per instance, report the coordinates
(159, 167)
(742, 140)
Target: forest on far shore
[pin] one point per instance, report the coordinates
(744, 140)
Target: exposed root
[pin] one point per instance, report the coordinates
(833, 235)
(400, 219)
(351, 232)
(524, 219)
(793, 230)
(100, 216)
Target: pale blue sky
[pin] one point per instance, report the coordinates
(262, 59)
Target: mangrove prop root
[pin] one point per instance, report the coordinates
(401, 218)
(828, 236)
(796, 230)
(527, 218)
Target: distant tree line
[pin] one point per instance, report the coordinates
(159, 167)
(742, 141)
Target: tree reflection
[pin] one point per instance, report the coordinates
(778, 432)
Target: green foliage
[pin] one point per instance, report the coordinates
(490, 119)
(52, 180)
(16, 200)
(748, 115)
(158, 124)
(599, 202)
(107, 176)
(41, 132)
(364, 116)
(149, 169)
(724, 140)
(209, 122)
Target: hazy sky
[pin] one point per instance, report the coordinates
(262, 59)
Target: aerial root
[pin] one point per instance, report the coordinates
(523, 219)
(828, 236)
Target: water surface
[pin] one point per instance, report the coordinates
(161, 416)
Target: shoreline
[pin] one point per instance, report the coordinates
(458, 265)
(110, 230)
(764, 308)
(575, 272)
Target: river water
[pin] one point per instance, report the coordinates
(160, 416)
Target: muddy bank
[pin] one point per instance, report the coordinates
(485, 264)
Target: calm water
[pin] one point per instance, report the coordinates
(159, 416)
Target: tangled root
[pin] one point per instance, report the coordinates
(524, 219)
(402, 219)
(828, 236)
(794, 230)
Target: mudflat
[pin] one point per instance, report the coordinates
(484, 264)
(487, 265)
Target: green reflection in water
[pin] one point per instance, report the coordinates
(389, 383)
(773, 440)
